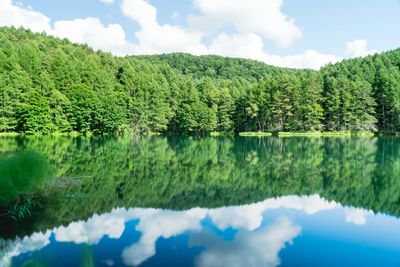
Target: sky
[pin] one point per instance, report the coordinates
(287, 33)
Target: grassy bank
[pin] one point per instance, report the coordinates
(307, 134)
(244, 134)
(254, 134)
(326, 134)
(11, 134)
(71, 134)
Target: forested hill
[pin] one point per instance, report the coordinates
(216, 67)
(51, 85)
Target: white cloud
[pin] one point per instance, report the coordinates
(258, 248)
(310, 59)
(167, 38)
(155, 38)
(92, 231)
(91, 31)
(250, 216)
(31, 243)
(252, 46)
(247, 45)
(108, 2)
(358, 48)
(356, 216)
(89, 232)
(140, 11)
(14, 15)
(247, 16)
(252, 239)
(160, 223)
(163, 223)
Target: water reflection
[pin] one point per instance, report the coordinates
(201, 201)
(248, 235)
(21, 173)
(249, 248)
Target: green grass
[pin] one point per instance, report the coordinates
(306, 134)
(152, 134)
(57, 134)
(254, 134)
(363, 133)
(23, 208)
(348, 133)
(326, 134)
(69, 134)
(9, 134)
(246, 134)
(336, 133)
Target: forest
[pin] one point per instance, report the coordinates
(48, 85)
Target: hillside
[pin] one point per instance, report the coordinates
(51, 85)
(216, 67)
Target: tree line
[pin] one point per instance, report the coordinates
(49, 85)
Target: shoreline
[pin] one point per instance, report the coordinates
(215, 134)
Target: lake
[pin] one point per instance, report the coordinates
(200, 201)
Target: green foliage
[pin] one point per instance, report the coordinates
(21, 173)
(95, 175)
(49, 85)
(22, 208)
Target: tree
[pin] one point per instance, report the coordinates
(35, 116)
(311, 111)
(52, 85)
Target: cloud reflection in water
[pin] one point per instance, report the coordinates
(253, 245)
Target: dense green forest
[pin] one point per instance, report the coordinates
(70, 179)
(49, 85)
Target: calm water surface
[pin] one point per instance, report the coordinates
(169, 201)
